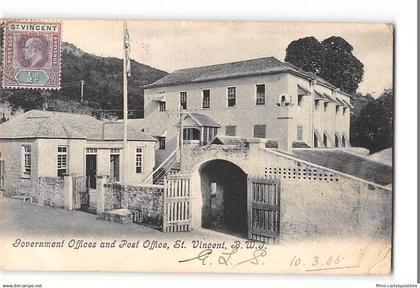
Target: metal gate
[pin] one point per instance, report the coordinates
(177, 203)
(264, 209)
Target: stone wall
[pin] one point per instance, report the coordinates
(317, 202)
(312, 209)
(50, 192)
(147, 200)
(112, 194)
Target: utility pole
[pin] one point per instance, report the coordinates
(181, 135)
(126, 62)
(82, 83)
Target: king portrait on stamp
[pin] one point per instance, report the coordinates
(32, 54)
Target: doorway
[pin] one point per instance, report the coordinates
(224, 197)
(91, 168)
(114, 173)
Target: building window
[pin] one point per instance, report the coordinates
(162, 143)
(115, 151)
(208, 134)
(337, 109)
(91, 151)
(183, 100)
(230, 131)
(206, 98)
(325, 140)
(26, 160)
(325, 106)
(231, 97)
(299, 133)
(259, 131)
(300, 100)
(162, 106)
(191, 134)
(315, 141)
(62, 160)
(139, 159)
(343, 140)
(260, 100)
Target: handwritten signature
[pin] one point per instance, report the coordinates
(228, 258)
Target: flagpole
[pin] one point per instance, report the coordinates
(125, 107)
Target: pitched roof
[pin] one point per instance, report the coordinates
(49, 124)
(228, 140)
(302, 91)
(115, 130)
(245, 68)
(203, 120)
(349, 163)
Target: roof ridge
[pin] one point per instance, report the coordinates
(226, 63)
(62, 124)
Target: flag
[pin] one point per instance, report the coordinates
(127, 52)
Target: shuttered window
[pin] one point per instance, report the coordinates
(62, 160)
(231, 97)
(183, 100)
(299, 133)
(260, 100)
(259, 131)
(230, 131)
(206, 98)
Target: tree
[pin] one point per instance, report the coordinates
(306, 53)
(331, 59)
(373, 127)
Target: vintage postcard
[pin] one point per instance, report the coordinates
(196, 146)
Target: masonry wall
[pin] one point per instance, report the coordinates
(147, 200)
(313, 209)
(320, 203)
(47, 156)
(314, 202)
(15, 182)
(50, 192)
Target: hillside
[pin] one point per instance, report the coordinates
(102, 78)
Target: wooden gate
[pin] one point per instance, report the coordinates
(264, 209)
(80, 192)
(177, 203)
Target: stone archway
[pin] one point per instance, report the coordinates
(223, 187)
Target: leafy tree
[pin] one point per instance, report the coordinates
(373, 127)
(331, 59)
(306, 53)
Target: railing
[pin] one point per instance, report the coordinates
(322, 168)
(161, 171)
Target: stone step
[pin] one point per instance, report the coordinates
(122, 216)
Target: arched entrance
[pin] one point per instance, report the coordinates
(224, 197)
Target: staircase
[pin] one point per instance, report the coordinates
(170, 169)
(167, 167)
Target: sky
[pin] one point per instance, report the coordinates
(172, 45)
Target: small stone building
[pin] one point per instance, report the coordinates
(40, 145)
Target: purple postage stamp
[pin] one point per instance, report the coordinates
(32, 54)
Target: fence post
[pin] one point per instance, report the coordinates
(124, 196)
(68, 192)
(100, 197)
